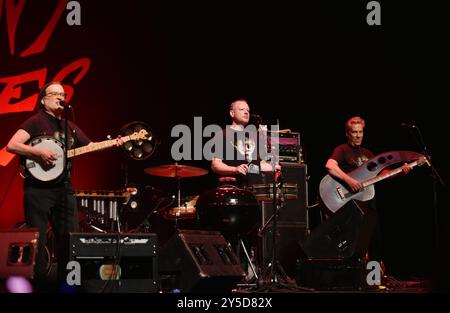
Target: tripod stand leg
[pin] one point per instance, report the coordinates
(249, 259)
(284, 276)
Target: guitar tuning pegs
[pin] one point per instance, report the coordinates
(109, 137)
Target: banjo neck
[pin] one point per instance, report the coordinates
(94, 147)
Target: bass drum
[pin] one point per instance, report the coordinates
(228, 209)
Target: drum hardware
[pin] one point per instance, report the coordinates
(183, 212)
(250, 261)
(144, 226)
(176, 171)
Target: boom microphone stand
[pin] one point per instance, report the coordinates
(59, 242)
(435, 176)
(276, 278)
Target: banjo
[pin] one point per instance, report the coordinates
(54, 171)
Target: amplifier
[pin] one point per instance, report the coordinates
(115, 262)
(289, 148)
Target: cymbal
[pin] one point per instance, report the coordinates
(175, 171)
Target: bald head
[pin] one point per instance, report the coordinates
(240, 112)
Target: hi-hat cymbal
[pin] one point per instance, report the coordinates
(176, 171)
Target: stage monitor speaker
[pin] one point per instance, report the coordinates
(18, 248)
(110, 262)
(199, 261)
(346, 233)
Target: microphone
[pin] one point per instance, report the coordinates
(64, 104)
(255, 119)
(408, 125)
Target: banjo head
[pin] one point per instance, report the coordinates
(54, 171)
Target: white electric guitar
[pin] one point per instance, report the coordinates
(53, 172)
(335, 195)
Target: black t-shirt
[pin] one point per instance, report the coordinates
(44, 124)
(349, 157)
(242, 147)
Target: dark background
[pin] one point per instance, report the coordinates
(309, 65)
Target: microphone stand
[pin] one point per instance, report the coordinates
(277, 278)
(66, 160)
(436, 178)
(60, 241)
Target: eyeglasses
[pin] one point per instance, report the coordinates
(56, 94)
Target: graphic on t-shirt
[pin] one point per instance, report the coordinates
(61, 137)
(246, 147)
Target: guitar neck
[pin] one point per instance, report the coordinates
(378, 178)
(95, 147)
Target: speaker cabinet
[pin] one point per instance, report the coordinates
(134, 255)
(18, 248)
(199, 261)
(296, 175)
(346, 233)
(288, 236)
(291, 219)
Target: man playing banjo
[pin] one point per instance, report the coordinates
(50, 201)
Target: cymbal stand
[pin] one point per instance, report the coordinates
(240, 245)
(177, 213)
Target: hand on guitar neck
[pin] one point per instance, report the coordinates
(355, 186)
(405, 169)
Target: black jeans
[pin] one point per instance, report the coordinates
(54, 205)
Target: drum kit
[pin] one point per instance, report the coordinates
(226, 208)
(231, 210)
